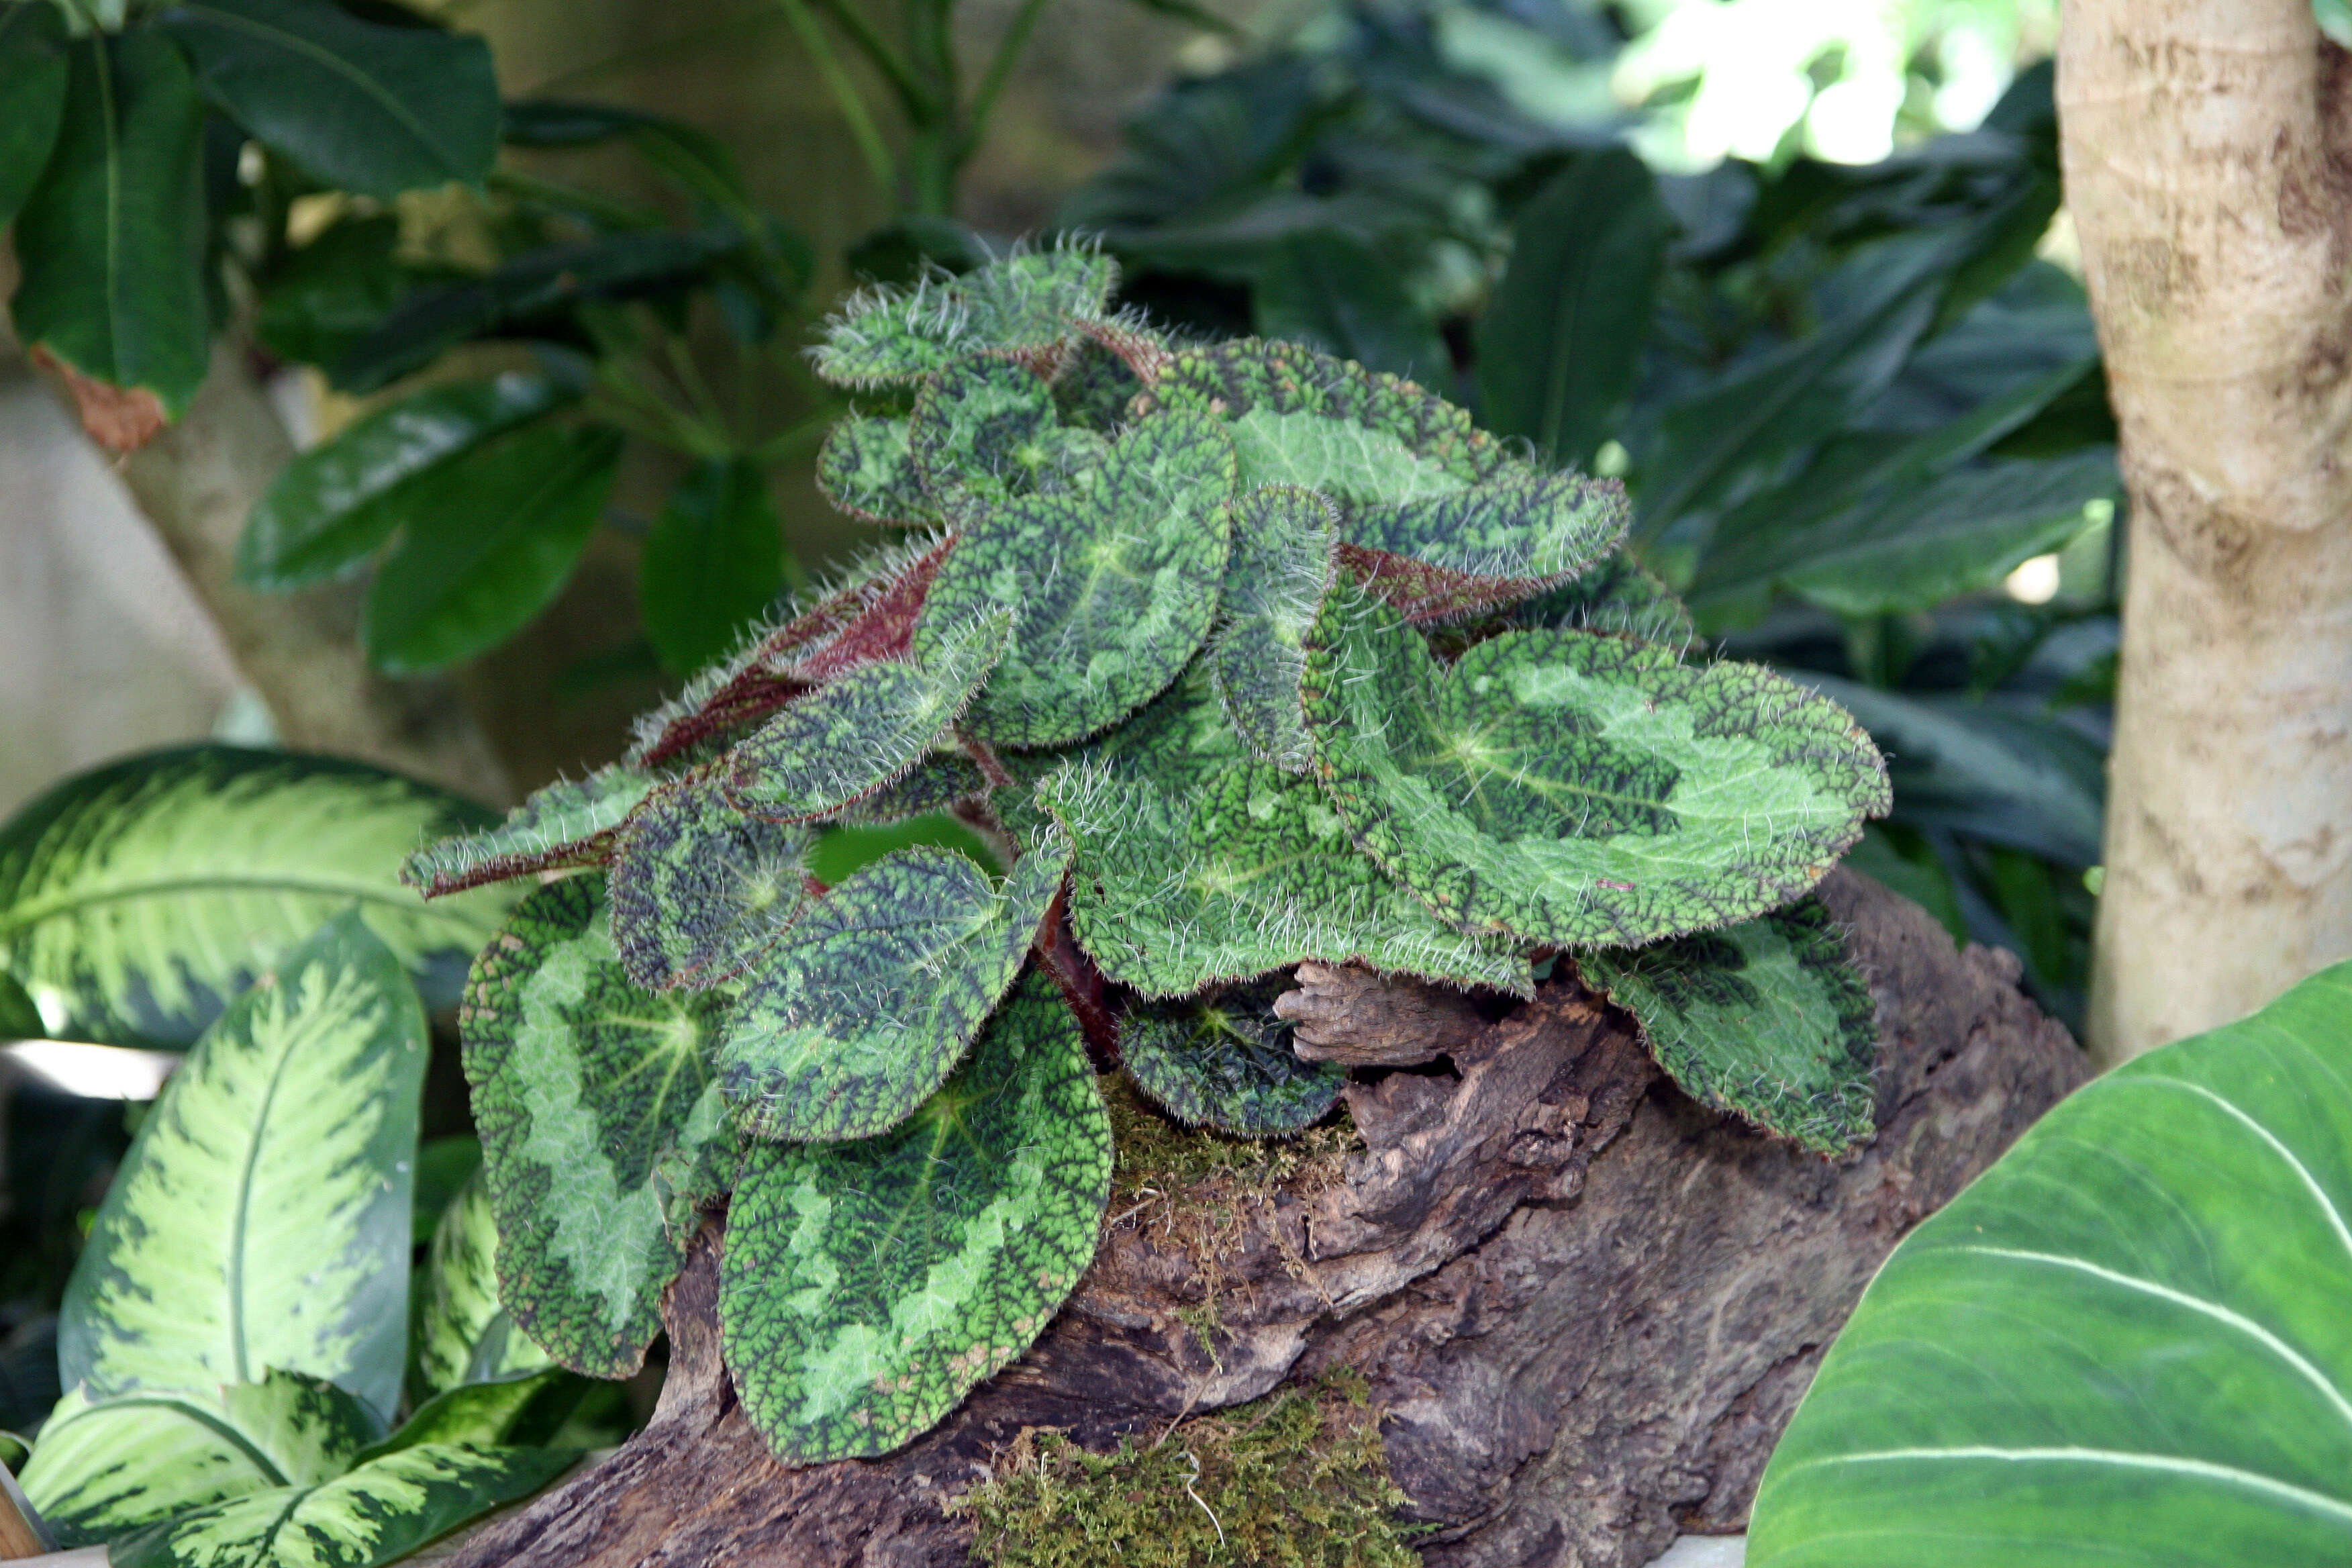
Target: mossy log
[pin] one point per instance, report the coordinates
(1584, 1304)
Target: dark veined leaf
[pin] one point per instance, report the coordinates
(322, 299)
(112, 236)
(1093, 385)
(867, 469)
(985, 427)
(601, 1129)
(32, 74)
(1029, 304)
(1225, 1061)
(1282, 544)
(1560, 341)
(697, 889)
(137, 898)
(1196, 864)
(487, 540)
(945, 1248)
(1619, 598)
(464, 1333)
(936, 783)
(260, 1221)
(568, 822)
(1765, 1017)
(1570, 788)
(1114, 581)
(383, 1511)
(372, 108)
(863, 729)
(868, 1001)
(1330, 290)
(329, 508)
(713, 564)
(2124, 1343)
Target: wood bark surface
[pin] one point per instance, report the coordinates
(2209, 168)
(1586, 1303)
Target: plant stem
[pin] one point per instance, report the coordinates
(862, 128)
(914, 99)
(991, 83)
(548, 193)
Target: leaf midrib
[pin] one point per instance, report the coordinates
(319, 54)
(211, 1420)
(32, 913)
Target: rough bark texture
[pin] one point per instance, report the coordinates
(1586, 1303)
(2206, 160)
(1346, 1014)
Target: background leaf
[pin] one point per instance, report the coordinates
(464, 1333)
(1331, 291)
(713, 564)
(32, 74)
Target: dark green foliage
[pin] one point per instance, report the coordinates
(985, 427)
(698, 890)
(1224, 1060)
(867, 469)
(1283, 540)
(713, 564)
(33, 73)
(568, 822)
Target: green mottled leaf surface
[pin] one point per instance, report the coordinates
(568, 822)
(1573, 788)
(1619, 598)
(868, 1285)
(984, 424)
(464, 1333)
(601, 1129)
(1765, 1017)
(867, 468)
(1093, 387)
(1281, 565)
(1028, 303)
(697, 889)
(935, 784)
(1225, 1061)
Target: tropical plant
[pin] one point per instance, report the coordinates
(1240, 656)
(2124, 1343)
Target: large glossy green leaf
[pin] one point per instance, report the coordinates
(713, 564)
(137, 898)
(601, 1127)
(2126, 1343)
(372, 109)
(489, 539)
(1569, 787)
(32, 74)
(111, 238)
(464, 1333)
(1332, 292)
(698, 890)
(1561, 339)
(260, 1221)
(868, 1285)
(1225, 1061)
(568, 822)
(317, 302)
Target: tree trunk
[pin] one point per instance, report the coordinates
(1585, 1304)
(2205, 146)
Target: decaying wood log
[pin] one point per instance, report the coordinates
(1586, 1303)
(1345, 1014)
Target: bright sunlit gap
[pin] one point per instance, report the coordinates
(93, 1072)
(2035, 582)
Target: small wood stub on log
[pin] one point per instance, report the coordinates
(1586, 1304)
(1344, 1014)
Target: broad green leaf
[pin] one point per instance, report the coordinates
(2124, 1344)
(1225, 1061)
(482, 1414)
(1571, 788)
(1115, 581)
(1330, 290)
(19, 1019)
(137, 898)
(713, 564)
(1618, 597)
(329, 508)
(699, 890)
(1561, 338)
(111, 238)
(489, 539)
(568, 822)
(464, 1333)
(260, 1221)
(1198, 865)
(984, 424)
(869, 1285)
(1281, 565)
(868, 1001)
(32, 74)
(322, 299)
(1411, 474)
(1028, 304)
(602, 1129)
(1765, 1017)
(1093, 387)
(867, 469)
(937, 783)
(383, 1511)
(860, 732)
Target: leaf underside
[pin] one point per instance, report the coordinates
(697, 889)
(1225, 1061)
(568, 822)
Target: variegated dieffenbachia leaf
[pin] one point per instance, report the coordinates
(602, 1129)
(863, 729)
(464, 1333)
(568, 822)
(1197, 865)
(485, 1414)
(1029, 304)
(869, 1285)
(1766, 1017)
(867, 469)
(1619, 598)
(1281, 563)
(1225, 1061)
(1565, 788)
(261, 1219)
(869, 1001)
(1115, 580)
(382, 1511)
(137, 898)
(698, 890)
(1412, 476)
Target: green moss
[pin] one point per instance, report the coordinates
(1297, 1480)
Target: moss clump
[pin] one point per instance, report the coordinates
(1297, 1480)
(1191, 1186)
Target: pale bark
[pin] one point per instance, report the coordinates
(2206, 171)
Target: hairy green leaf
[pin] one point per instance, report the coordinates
(866, 1005)
(1094, 385)
(601, 1129)
(935, 784)
(568, 822)
(1115, 581)
(1028, 304)
(983, 425)
(1225, 1061)
(261, 1219)
(697, 889)
(1619, 598)
(464, 1333)
(1765, 1017)
(1197, 865)
(33, 73)
(1570, 788)
(136, 898)
(1283, 538)
(867, 468)
(868, 1285)
(713, 564)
